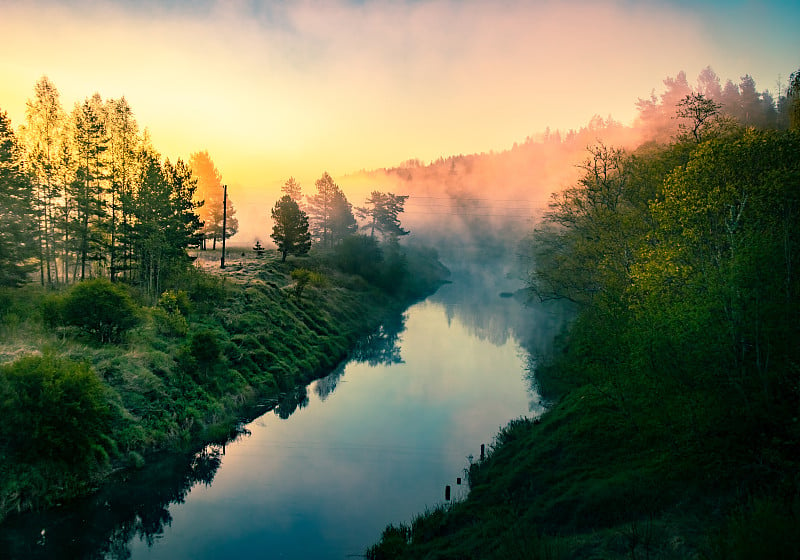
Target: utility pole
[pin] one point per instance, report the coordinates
(224, 222)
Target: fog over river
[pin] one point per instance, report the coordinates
(321, 475)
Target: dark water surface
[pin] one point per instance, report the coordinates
(374, 443)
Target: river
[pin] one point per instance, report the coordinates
(321, 475)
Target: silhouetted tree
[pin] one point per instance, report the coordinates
(17, 229)
(91, 141)
(698, 110)
(381, 210)
(330, 213)
(210, 192)
(290, 230)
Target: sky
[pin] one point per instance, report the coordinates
(274, 89)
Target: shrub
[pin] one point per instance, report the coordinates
(53, 409)
(303, 277)
(175, 301)
(361, 255)
(52, 308)
(103, 310)
(170, 323)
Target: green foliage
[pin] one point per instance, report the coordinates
(52, 409)
(171, 312)
(764, 528)
(103, 310)
(290, 231)
(245, 342)
(17, 242)
(303, 277)
(361, 255)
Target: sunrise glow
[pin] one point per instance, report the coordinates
(279, 89)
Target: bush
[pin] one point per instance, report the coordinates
(170, 323)
(175, 301)
(52, 308)
(103, 310)
(361, 255)
(53, 409)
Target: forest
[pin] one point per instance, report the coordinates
(673, 430)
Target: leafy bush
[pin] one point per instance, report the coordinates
(52, 309)
(303, 277)
(53, 409)
(103, 310)
(175, 301)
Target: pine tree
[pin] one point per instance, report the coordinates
(290, 229)
(17, 230)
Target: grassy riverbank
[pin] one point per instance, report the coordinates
(583, 482)
(181, 372)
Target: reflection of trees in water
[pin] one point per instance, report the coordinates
(474, 300)
(327, 385)
(381, 347)
(291, 401)
(103, 525)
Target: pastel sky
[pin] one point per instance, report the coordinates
(278, 88)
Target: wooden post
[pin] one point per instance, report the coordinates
(483, 449)
(447, 492)
(224, 222)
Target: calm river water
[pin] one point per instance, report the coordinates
(374, 443)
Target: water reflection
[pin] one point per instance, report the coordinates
(488, 299)
(382, 347)
(103, 526)
(326, 482)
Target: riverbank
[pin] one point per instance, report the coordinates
(194, 363)
(579, 482)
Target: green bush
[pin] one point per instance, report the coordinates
(175, 301)
(170, 323)
(361, 255)
(103, 310)
(53, 409)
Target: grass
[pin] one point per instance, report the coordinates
(182, 378)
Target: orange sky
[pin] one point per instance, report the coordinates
(273, 89)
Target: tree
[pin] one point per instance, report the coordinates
(343, 222)
(381, 211)
(17, 229)
(91, 141)
(293, 189)
(793, 98)
(166, 224)
(699, 111)
(210, 194)
(320, 208)
(330, 213)
(290, 230)
(123, 133)
(44, 135)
